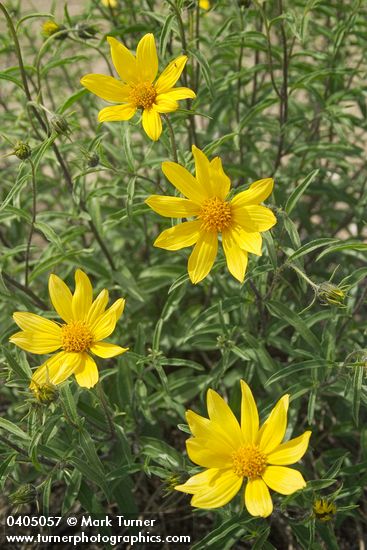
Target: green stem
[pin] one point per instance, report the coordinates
(303, 274)
(172, 138)
(34, 213)
(102, 400)
(37, 301)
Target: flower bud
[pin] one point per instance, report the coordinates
(323, 509)
(50, 27)
(92, 159)
(110, 3)
(86, 31)
(331, 294)
(170, 483)
(22, 150)
(23, 495)
(60, 124)
(45, 393)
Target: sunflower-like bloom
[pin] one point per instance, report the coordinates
(110, 3)
(86, 323)
(239, 220)
(204, 4)
(232, 453)
(137, 88)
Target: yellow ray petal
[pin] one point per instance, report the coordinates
(221, 414)
(251, 242)
(198, 482)
(83, 296)
(152, 124)
(173, 207)
(56, 369)
(202, 167)
(116, 112)
(283, 480)
(164, 103)
(123, 60)
(34, 323)
(236, 257)
(118, 307)
(223, 488)
(257, 498)
(180, 93)
(106, 350)
(202, 258)
(106, 87)
(184, 182)
(253, 218)
(61, 297)
(291, 451)
(249, 415)
(215, 433)
(36, 342)
(146, 59)
(221, 183)
(179, 236)
(87, 373)
(104, 326)
(170, 74)
(97, 308)
(256, 193)
(208, 453)
(273, 430)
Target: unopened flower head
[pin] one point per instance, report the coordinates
(22, 150)
(92, 159)
(138, 87)
(330, 294)
(23, 495)
(86, 32)
(110, 3)
(45, 393)
(85, 324)
(60, 124)
(233, 453)
(50, 27)
(239, 221)
(324, 510)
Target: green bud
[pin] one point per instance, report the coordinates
(323, 509)
(330, 294)
(92, 159)
(50, 27)
(86, 31)
(170, 483)
(60, 124)
(23, 495)
(22, 150)
(45, 393)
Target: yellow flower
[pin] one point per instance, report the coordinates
(50, 28)
(239, 220)
(204, 4)
(137, 88)
(86, 323)
(109, 3)
(231, 453)
(324, 510)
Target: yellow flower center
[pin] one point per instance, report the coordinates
(249, 461)
(76, 336)
(215, 214)
(143, 95)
